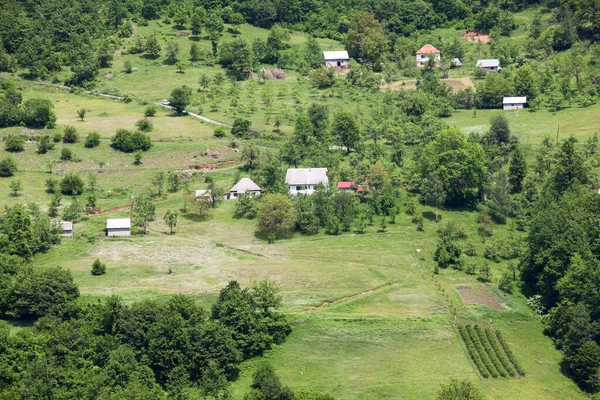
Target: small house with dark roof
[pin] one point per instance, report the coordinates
(66, 228)
(245, 186)
(305, 180)
(425, 52)
(118, 227)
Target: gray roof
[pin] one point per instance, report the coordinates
(306, 176)
(335, 55)
(118, 223)
(66, 225)
(514, 100)
(488, 63)
(456, 61)
(245, 185)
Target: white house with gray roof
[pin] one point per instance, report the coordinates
(244, 186)
(492, 65)
(336, 59)
(513, 103)
(118, 227)
(305, 180)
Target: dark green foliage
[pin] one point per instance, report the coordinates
(8, 167)
(509, 353)
(240, 128)
(517, 170)
(246, 207)
(473, 352)
(219, 132)
(98, 268)
(266, 385)
(71, 185)
(33, 293)
(92, 140)
(37, 113)
(70, 135)
(66, 154)
(14, 143)
(23, 236)
(499, 128)
(73, 211)
(150, 111)
(129, 141)
(180, 98)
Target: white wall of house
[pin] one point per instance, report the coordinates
(336, 63)
(423, 58)
(518, 106)
(119, 232)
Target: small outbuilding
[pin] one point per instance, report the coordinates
(203, 194)
(455, 63)
(118, 227)
(336, 59)
(425, 52)
(492, 65)
(351, 187)
(305, 180)
(66, 228)
(244, 186)
(514, 103)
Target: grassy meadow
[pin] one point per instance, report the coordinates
(371, 320)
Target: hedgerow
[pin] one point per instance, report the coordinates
(500, 353)
(473, 352)
(490, 351)
(482, 353)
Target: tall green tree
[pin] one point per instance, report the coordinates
(276, 216)
(144, 212)
(346, 130)
(517, 170)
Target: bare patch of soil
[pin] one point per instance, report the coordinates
(477, 37)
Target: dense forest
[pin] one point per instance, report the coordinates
(151, 349)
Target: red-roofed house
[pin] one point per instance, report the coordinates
(346, 186)
(423, 55)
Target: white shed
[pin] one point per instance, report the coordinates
(513, 103)
(336, 59)
(118, 227)
(305, 180)
(491, 65)
(244, 186)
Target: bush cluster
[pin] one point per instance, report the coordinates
(500, 353)
(490, 351)
(129, 141)
(481, 350)
(473, 352)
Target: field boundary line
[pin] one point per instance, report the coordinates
(348, 297)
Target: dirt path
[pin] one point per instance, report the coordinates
(349, 297)
(109, 211)
(201, 117)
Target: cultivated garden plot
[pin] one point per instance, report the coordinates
(482, 295)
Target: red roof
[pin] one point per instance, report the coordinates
(346, 185)
(428, 49)
(362, 188)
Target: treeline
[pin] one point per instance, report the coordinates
(33, 113)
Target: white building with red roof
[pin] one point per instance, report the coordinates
(425, 52)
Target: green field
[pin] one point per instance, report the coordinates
(370, 319)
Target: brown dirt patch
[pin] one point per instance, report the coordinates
(482, 295)
(458, 84)
(477, 37)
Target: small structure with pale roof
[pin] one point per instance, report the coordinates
(66, 228)
(425, 52)
(336, 59)
(305, 180)
(245, 186)
(492, 65)
(513, 103)
(118, 227)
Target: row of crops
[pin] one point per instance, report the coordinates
(490, 352)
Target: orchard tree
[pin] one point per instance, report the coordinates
(433, 192)
(180, 98)
(346, 130)
(144, 212)
(170, 219)
(499, 129)
(366, 38)
(152, 46)
(8, 167)
(276, 216)
(459, 390)
(81, 113)
(172, 50)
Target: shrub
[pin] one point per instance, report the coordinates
(144, 125)
(71, 185)
(484, 273)
(98, 268)
(470, 249)
(220, 132)
(51, 185)
(473, 352)
(137, 157)
(14, 143)
(490, 352)
(150, 111)
(8, 167)
(129, 141)
(44, 145)
(485, 225)
(57, 137)
(240, 128)
(70, 135)
(66, 154)
(471, 269)
(92, 140)
(499, 352)
(481, 350)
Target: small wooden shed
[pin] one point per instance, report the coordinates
(66, 228)
(513, 103)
